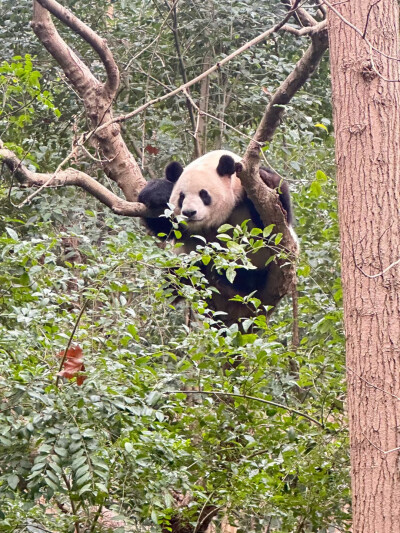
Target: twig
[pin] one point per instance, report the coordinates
(183, 72)
(372, 276)
(372, 384)
(306, 30)
(357, 30)
(200, 112)
(367, 21)
(215, 67)
(380, 449)
(51, 178)
(253, 398)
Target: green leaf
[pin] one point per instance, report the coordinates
(13, 234)
(315, 189)
(13, 481)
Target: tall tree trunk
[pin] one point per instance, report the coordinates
(367, 127)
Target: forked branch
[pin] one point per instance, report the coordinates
(116, 160)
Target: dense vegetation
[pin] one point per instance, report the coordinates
(129, 439)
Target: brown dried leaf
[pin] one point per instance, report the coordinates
(73, 365)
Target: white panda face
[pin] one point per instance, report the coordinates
(205, 198)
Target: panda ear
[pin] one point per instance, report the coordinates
(226, 166)
(173, 171)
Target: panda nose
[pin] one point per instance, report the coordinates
(189, 213)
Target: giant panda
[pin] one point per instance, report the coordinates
(208, 194)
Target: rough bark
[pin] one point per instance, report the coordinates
(117, 162)
(367, 126)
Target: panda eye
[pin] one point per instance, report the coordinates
(180, 200)
(205, 197)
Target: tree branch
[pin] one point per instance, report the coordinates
(72, 177)
(282, 274)
(117, 162)
(246, 397)
(215, 67)
(99, 45)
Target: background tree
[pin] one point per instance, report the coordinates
(367, 126)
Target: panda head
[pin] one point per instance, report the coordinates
(207, 191)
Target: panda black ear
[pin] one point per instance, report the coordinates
(173, 171)
(226, 166)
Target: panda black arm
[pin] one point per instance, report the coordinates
(155, 195)
(274, 181)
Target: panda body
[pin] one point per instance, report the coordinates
(208, 193)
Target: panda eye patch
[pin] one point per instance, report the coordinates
(205, 197)
(181, 198)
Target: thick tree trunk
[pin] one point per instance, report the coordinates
(367, 126)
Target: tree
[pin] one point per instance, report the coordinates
(261, 439)
(366, 96)
(118, 163)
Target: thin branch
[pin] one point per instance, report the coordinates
(253, 398)
(380, 449)
(215, 67)
(373, 276)
(51, 178)
(200, 113)
(372, 384)
(368, 14)
(357, 30)
(305, 18)
(306, 30)
(183, 72)
(99, 45)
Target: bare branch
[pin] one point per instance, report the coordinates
(306, 30)
(305, 18)
(183, 73)
(76, 71)
(99, 45)
(301, 15)
(71, 177)
(303, 70)
(246, 397)
(282, 274)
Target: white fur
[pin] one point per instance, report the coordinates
(225, 192)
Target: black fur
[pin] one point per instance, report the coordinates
(156, 194)
(246, 280)
(226, 166)
(173, 171)
(274, 181)
(204, 195)
(180, 200)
